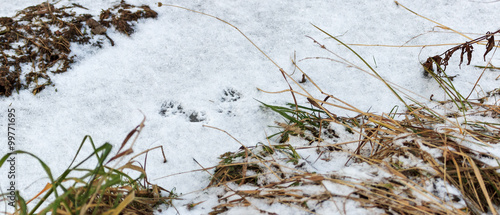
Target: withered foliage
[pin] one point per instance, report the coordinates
(120, 16)
(36, 42)
(8, 81)
(446, 154)
(465, 48)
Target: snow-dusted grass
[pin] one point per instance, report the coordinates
(418, 162)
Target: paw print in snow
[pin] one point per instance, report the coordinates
(171, 108)
(197, 116)
(174, 108)
(230, 95)
(227, 103)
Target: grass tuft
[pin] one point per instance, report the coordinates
(101, 190)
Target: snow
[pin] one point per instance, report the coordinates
(192, 61)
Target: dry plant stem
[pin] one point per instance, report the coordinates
(489, 63)
(349, 64)
(257, 47)
(224, 21)
(373, 70)
(315, 58)
(402, 46)
(437, 23)
(320, 101)
(481, 184)
(146, 151)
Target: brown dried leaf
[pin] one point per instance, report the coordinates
(129, 135)
(462, 56)
(489, 45)
(447, 56)
(437, 59)
(428, 66)
(314, 103)
(124, 153)
(469, 49)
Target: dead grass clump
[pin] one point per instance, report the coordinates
(231, 171)
(121, 16)
(434, 167)
(288, 192)
(8, 81)
(39, 37)
(444, 149)
(265, 168)
(279, 181)
(420, 149)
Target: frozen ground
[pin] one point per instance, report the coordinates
(209, 69)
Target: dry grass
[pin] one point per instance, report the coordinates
(421, 135)
(449, 147)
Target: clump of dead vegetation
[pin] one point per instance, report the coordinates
(442, 153)
(465, 48)
(36, 42)
(120, 16)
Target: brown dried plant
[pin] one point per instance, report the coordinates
(40, 36)
(441, 61)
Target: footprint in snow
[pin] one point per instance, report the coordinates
(170, 108)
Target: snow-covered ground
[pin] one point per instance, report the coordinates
(184, 59)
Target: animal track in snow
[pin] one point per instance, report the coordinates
(171, 108)
(230, 95)
(227, 99)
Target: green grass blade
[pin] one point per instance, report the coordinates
(283, 112)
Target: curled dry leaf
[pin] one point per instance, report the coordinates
(428, 65)
(489, 45)
(469, 49)
(465, 48)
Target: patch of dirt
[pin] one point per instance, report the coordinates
(36, 42)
